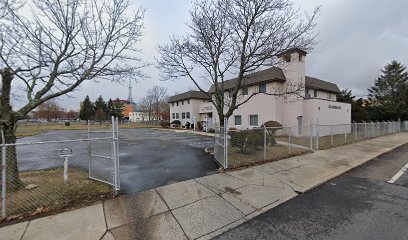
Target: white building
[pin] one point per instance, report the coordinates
(137, 116)
(316, 102)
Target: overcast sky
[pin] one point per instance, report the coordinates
(356, 39)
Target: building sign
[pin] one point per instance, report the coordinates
(334, 107)
(207, 108)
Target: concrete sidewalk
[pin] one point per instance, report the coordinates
(204, 207)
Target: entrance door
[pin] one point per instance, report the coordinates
(300, 119)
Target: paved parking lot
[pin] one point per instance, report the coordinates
(149, 158)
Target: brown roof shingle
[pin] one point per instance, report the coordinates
(188, 95)
(318, 84)
(268, 75)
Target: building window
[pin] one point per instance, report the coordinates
(188, 115)
(253, 120)
(172, 104)
(188, 101)
(177, 116)
(245, 91)
(262, 88)
(182, 102)
(315, 93)
(177, 103)
(238, 120)
(173, 115)
(183, 115)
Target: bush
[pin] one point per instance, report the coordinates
(165, 124)
(67, 124)
(200, 126)
(247, 139)
(188, 124)
(272, 124)
(211, 130)
(176, 123)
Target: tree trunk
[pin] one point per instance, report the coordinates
(221, 117)
(12, 177)
(8, 122)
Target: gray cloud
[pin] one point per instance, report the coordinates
(356, 39)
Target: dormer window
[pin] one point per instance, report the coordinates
(262, 88)
(245, 91)
(301, 58)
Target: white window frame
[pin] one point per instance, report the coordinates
(240, 120)
(257, 120)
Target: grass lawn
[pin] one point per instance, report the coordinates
(34, 129)
(52, 195)
(325, 142)
(238, 159)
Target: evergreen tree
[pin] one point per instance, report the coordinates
(87, 111)
(388, 98)
(115, 108)
(118, 109)
(101, 110)
(358, 112)
(110, 108)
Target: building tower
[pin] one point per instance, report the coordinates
(130, 98)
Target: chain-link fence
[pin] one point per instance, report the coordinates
(238, 148)
(220, 145)
(57, 170)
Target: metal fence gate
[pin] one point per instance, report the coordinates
(104, 155)
(221, 142)
(52, 171)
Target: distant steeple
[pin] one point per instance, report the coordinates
(130, 98)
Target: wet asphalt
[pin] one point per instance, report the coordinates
(360, 204)
(149, 158)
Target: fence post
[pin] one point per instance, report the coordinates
(264, 143)
(331, 134)
(355, 131)
(115, 166)
(365, 130)
(89, 149)
(290, 150)
(311, 135)
(3, 176)
(226, 142)
(317, 134)
(117, 152)
(345, 133)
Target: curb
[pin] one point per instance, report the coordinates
(327, 179)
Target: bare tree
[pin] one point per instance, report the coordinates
(147, 106)
(159, 96)
(48, 110)
(63, 44)
(235, 37)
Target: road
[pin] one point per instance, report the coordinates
(360, 204)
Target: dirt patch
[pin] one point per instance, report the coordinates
(237, 159)
(233, 191)
(51, 195)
